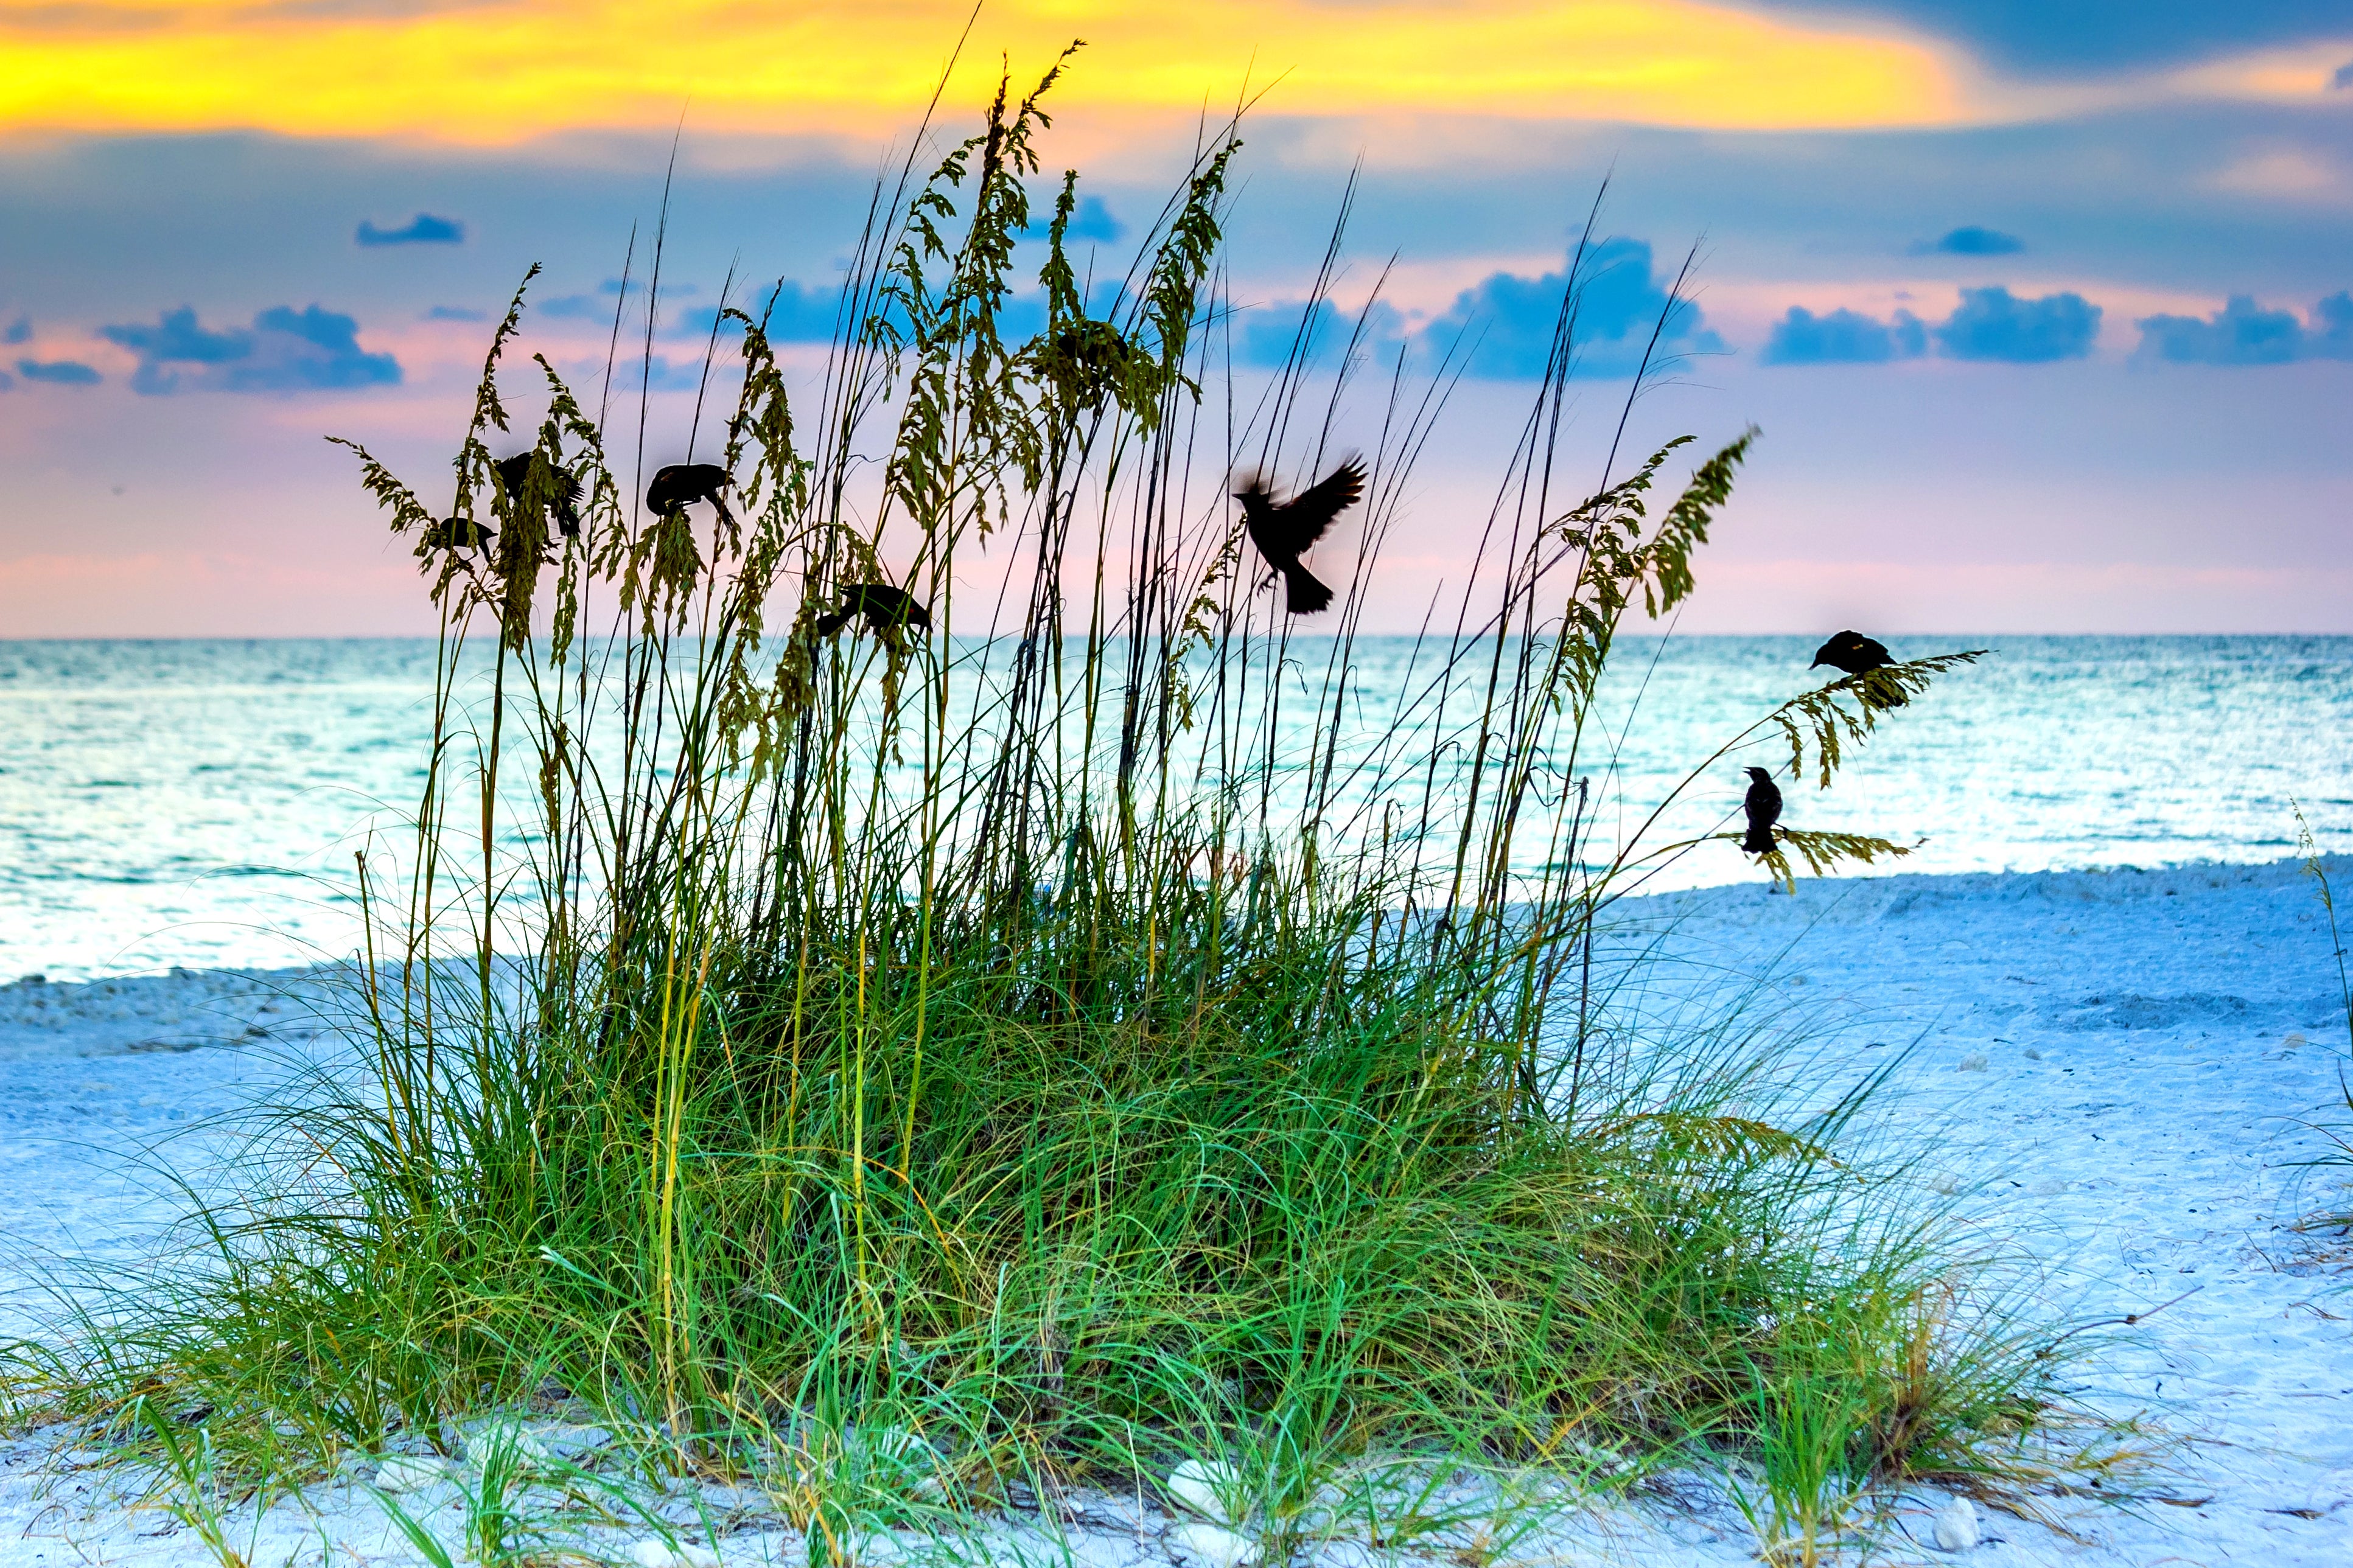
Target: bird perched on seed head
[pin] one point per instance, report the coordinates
(562, 488)
(1088, 361)
(1764, 808)
(681, 483)
(880, 605)
(1856, 654)
(1283, 530)
(460, 533)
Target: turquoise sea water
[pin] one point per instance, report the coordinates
(197, 802)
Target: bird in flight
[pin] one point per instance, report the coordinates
(1856, 654)
(460, 533)
(680, 483)
(1283, 530)
(880, 605)
(1764, 808)
(562, 488)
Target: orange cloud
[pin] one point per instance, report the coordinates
(500, 73)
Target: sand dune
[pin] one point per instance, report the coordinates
(2111, 1071)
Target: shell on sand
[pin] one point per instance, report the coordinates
(1203, 1487)
(1957, 1526)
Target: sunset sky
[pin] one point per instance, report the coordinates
(2047, 322)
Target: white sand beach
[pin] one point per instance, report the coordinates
(2113, 1073)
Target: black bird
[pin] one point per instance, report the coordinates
(562, 488)
(882, 607)
(1283, 530)
(1763, 807)
(1089, 360)
(460, 533)
(1856, 654)
(675, 486)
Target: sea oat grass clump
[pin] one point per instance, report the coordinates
(1110, 1034)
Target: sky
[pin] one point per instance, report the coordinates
(2045, 311)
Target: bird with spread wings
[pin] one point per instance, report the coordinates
(1283, 531)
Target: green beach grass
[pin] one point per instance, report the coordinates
(1046, 1040)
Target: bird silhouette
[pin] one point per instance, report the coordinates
(880, 605)
(460, 533)
(1764, 808)
(681, 483)
(562, 484)
(1856, 654)
(1283, 530)
(1088, 361)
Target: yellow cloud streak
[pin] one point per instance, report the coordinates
(500, 73)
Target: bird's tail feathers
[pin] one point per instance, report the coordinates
(1304, 593)
(1757, 841)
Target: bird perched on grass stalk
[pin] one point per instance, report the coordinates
(881, 605)
(1764, 808)
(562, 487)
(681, 483)
(1282, 531)
(460, 533)
(1856, 654)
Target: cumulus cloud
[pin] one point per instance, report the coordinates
(1505, 321)
(1970, 240)
(802, 313)
(1994, 324)
(6, 381)
(1510, 319)
(1091, 219)
(283, 351)
(1844, 337)
(2344, 76)
(1988, 324)
(1269, 335)
(19, 331)
(422, 229)
(59, 372)
(2243, 333)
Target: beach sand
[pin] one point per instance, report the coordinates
(2110, 1073)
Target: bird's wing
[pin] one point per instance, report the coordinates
(1872, 649)
(1301, 521)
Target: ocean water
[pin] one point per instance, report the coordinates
(199, 802)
